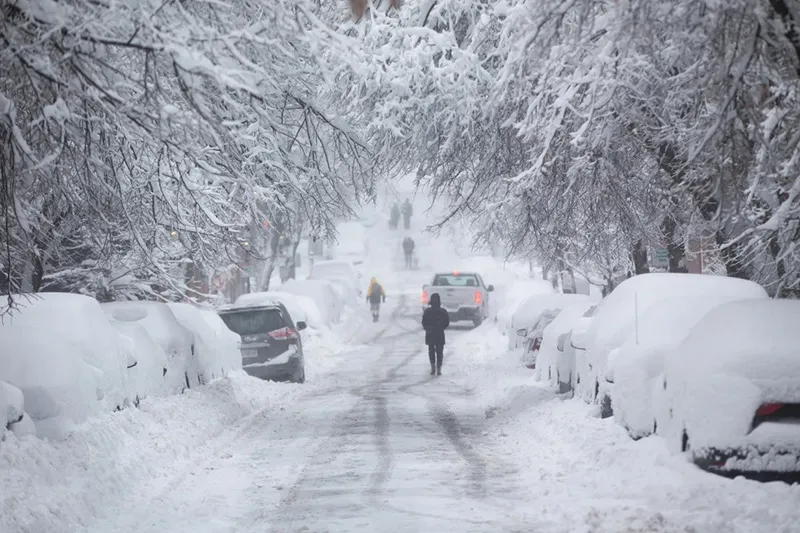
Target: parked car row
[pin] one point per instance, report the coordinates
(71, 357)
(710, 363)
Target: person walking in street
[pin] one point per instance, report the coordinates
(407, 212)
(375, 295)
(435, 320)
(408, 251)
(394, 216)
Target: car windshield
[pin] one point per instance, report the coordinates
(455, 280)
(253, 321)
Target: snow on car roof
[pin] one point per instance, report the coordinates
(751, 338)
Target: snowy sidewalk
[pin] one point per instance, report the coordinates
(583, 474)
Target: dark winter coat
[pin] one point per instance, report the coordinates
(435, 320)
(408, 245)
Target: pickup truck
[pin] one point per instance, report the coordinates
(463, 295)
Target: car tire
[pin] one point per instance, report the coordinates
(301, 377)
(477, 321)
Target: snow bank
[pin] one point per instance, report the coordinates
(342, 274)
(59, 388)
(62, 486)
(79, 321)
(11, 405)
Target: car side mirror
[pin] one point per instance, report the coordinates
(522, 332)
(578, 340)
(301, 325)
(490, 288)
(132, 362)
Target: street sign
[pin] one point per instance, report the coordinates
(659, 257)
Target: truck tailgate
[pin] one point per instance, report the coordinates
(454, 297)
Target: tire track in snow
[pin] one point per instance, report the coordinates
(454, 432)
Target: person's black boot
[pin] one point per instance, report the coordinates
(433, 370)
(438, 370)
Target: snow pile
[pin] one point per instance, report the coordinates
(216, 348)
(343, 276)
(176, 340)
(12, 406)
(76, 321)
(63, 486)
(636, 366)
(739, 356)
(324, 294)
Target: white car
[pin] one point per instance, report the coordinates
(176, 340)
(617, 315)
(556, 360)
(581, 382)
(148, 363)
(731, 389)
(635, 368)
(529, 312)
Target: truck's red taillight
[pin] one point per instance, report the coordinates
(478, 297)
(424, 298)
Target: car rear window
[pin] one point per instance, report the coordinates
(455, 280)
(253, 321)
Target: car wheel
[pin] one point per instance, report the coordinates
(477, 321)
(301, 377)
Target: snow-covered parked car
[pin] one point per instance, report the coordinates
(79, 321)
(528, 314)
(618, 312)
(581, 383)
(59, 389)
(176, 340)
(732, 389)
(12, 412)
(149, 364)
(509, 296)
(324, 294)
(634, 369)
(271, 345)
(216, 347)
(342, 274)
(556, 359)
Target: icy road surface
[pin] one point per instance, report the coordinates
(383, 447)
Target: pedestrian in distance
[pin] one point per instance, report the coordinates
(407, 212)
(408, 251)
(394, 216)
(375, 295)
(435, 320)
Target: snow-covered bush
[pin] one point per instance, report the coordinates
(327, 299)
(636, 366)
(79, 321)
(59, 388)
(149, 375)
(732, 387)
(216, 348)
(176, 340)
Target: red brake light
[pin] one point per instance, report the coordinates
(478, 297)
(283, 334)
(424, 298)
(768, 409)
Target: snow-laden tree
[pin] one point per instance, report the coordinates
(143, 140)
(565, 121)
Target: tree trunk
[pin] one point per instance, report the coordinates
(639, 254)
